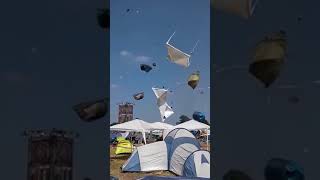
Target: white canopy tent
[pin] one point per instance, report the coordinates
(192, 125)
(136, 125)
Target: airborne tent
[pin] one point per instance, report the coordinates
(170, 154)
(136, 125)
(175, 55)
(165, 110)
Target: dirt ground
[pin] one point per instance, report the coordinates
(117, 161)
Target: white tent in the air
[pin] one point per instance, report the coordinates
(177, 56)
(164, 108)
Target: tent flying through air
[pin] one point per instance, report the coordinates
(175, 153)
(165, 110)
(243, 8)
(175, 55)
(269, 58)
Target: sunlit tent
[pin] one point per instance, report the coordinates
(193, 79)
(269, 58)
(103, 17)
(279, 168)
(170, 154)
(138, 96)
(192, 125)
(123, 146)
(92, 110)
(165, 110)
(136, 125)
(197, 164)
(145, 67)
(243, 8)
(175, 55)
(161, 126)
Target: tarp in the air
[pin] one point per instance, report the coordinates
(165, 110)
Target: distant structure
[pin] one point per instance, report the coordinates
(50, 154)
(125, 112)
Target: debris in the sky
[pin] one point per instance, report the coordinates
(282, 169)
(154, 64)
(128, 10)
(243, 8)
(236, 175)
(91, 111)
(103, 17)
(165, 110)
(177, 56)
(193, 79)
(299, 18)
(138, 96)
(145, 67)
(269, 58)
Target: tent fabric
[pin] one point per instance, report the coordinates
(170, 154)
(193, 125)
(177, 56)
(244, 8)
(165, 109)
(197, 165)
(124, 147)
(161, 126)
(181, 143)
(150, 157)
(135, 125)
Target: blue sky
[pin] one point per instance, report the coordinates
(139, 36)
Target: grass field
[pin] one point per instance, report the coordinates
(117, 161)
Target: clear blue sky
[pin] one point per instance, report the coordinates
(142, 36)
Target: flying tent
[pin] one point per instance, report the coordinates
(269, 58)
(243, 8)
(165, 110)
(175, 55)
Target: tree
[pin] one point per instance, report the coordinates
(183, 118)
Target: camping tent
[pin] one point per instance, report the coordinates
(197, 164)
(135, 125)
(195, 125)
(170, 154)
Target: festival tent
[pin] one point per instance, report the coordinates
(136, 125)
(170, 154)
(197, 164)
(192, 125)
